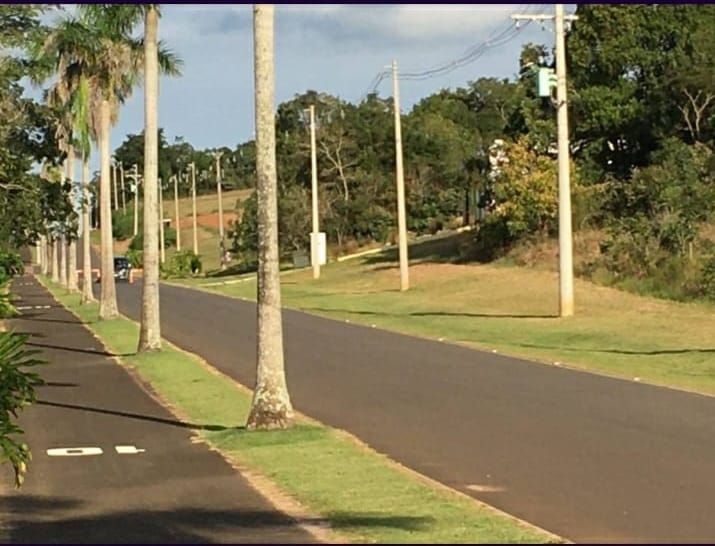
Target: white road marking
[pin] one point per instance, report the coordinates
(486, 488)
(73, 451)
(23, 307)
(128, 450)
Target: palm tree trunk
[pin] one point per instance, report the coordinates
(72, 247)
(150, 330)
(55, 267)
(271, 406)
(87, 295)
(44, 249)
(63, 259)
(108, 296)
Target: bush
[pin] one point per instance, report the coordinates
(123, 224)
(135, 257)
(183, 263)
(10, 265)
(17, 390)
(707, 278)
(169, 239)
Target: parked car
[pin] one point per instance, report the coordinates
(122, 269)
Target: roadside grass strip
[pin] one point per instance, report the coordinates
(363, 495)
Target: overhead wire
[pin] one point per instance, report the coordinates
(496, 39)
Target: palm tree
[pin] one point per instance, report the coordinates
(150, 328)
(119, 20)
(271, 406)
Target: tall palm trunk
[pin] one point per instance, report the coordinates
(63, 259)
(150, 329)
(54, 265)
(87, 295)
(72, 246)
(44, 261)
(271, 406)
(108, 296)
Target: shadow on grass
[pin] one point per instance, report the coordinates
(658, 352)
(130, 415)
(76, 350)
(43, 519)
(431, 314)
(444, 249)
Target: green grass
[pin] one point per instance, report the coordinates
(512, 310)
(362, 494)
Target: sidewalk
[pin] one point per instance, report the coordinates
(111, 465)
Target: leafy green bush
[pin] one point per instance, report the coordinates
(183, 263)
(135, 257)
(10, 265)
(708, 278)
(169, 239)
(17, 390)
(123, 224)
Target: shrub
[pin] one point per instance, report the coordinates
(10, 265)
(123, 224)
(17, 390)
(169, 239)
(183, 263)
(135, 257)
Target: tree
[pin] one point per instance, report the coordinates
(271, 406)
(150, 327)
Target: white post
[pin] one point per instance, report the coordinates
(135, 176)
(401, 213)
(566, 296)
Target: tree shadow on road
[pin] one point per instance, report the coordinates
(130, 415)
(35, 317)
(39, 519)
(77, 350)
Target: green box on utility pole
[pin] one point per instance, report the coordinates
(545, 81)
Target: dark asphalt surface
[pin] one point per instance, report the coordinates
(176, 491)
(590, 458)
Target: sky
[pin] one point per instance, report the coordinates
(331, 48)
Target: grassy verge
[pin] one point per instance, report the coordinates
(360, 493)
(513, 310)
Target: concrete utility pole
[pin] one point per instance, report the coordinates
(135, 178)
(400, 177)
(121, 178)
(221, 244)
(176, 212)
(162, 247)
(314, 248)
(114, 180)
(566, 295)
(193, 206)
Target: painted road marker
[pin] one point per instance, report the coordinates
(74, 451)
(128, 450)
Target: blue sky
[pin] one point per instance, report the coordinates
(333, 48)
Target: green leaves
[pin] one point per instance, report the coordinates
(17, 390)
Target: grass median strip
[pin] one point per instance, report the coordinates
(362, 495)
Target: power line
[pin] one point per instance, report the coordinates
(496, 39)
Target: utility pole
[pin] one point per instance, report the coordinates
(124, 197)
(135, 178)
(314, 247)
(193, 206)
(162, 247)
(176, 211)
(566, 295)
(217, 157)
(114, 179)
(400, 178)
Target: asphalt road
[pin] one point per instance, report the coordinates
(590, 458)
(175, 491)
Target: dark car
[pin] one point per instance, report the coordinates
(122, 267)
